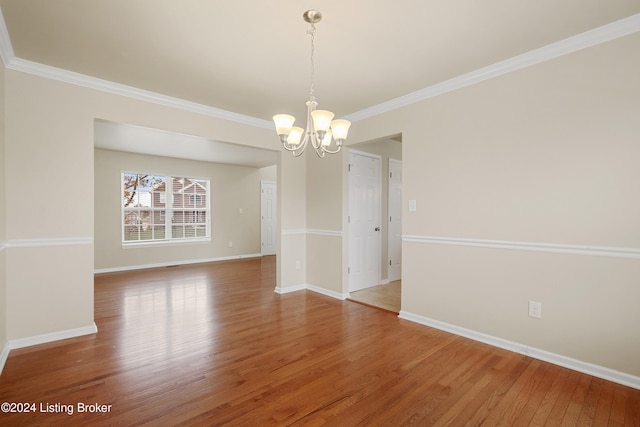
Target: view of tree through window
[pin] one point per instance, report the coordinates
(164, 208)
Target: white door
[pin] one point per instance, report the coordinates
(268, 198)
(364, 221)
(395, 220)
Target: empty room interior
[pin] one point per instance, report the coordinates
(188, 237)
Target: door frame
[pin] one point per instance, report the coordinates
(389, 198)
(275, 229)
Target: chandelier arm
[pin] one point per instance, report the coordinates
(304, 142)
(290, 148)
(326, 150)
(313, 137)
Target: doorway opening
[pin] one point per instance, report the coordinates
(382, 287)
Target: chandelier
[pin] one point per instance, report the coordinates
(326, 135)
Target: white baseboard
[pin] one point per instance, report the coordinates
(43, 339)
(312, 288)
(328, 293)
(289, 289)
(4, 355)
(557, 359)
(172, 263)
(53, 336)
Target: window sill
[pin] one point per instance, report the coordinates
(175, 242)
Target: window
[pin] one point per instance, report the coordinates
(164, 208)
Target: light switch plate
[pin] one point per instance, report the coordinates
(535, 309)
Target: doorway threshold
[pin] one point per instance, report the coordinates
(386, 297)
(388, 310)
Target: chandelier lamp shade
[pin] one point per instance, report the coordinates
(325, 134)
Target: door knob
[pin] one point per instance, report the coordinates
(377, 228)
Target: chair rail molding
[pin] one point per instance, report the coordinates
(603, 251)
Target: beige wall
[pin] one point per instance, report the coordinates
(3, 300)
(232, 188)
(42, 281)
(324, 220)
(269, 173)
(589, 303)
(291, 270)
(3, 234)
(324, 177)
(49, 153)
(324, 258)
(548, 154)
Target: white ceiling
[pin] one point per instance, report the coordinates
(252, 57)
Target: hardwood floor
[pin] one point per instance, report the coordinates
(212, 344)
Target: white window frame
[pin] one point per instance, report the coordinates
(167, 212)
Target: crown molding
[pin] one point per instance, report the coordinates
(6, 49)
(569, 45)
(589, 38)
(13, 63)
(78, 79)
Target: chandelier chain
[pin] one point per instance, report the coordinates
(312, 33)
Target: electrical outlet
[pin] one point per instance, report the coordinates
(535, 309)
(230, 244)
(298, 265)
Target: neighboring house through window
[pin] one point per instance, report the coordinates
(164, 208)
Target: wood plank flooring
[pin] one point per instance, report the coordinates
(212, 344)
